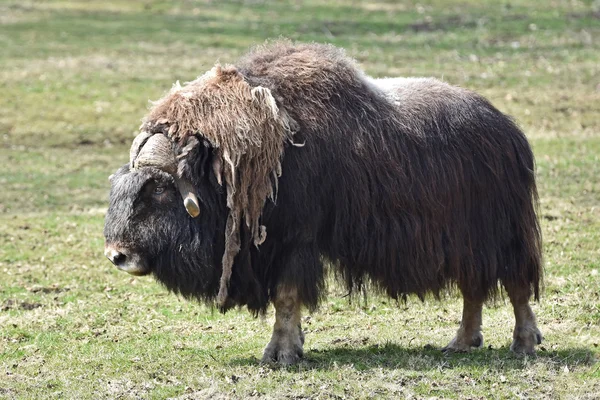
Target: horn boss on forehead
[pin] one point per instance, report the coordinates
(156, 150)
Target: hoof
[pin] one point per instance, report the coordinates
(285, 347)
(525, 339)
(463, 344)
(282, 356)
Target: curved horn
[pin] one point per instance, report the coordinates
(136, 146)
(190, 201)
(156, 151)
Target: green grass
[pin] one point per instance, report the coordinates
(76, 77)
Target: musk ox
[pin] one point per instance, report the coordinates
(248, 183)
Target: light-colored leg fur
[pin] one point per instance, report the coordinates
(469, 334)
(526, 334)
(287, 340)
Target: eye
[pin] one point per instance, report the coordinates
(159, 190)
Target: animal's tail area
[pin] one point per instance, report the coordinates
(528, 244)
(529, 249)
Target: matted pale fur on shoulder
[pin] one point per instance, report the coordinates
(247, 130)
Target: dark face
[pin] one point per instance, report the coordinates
(140, 219)
(147, 230)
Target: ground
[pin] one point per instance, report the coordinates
(76, 77)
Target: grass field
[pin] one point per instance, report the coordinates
(75, 80)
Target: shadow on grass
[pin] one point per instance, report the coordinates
(392, 356)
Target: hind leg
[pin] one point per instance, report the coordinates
(526, 334)
(469, 333)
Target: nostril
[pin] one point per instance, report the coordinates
(126, 260)
(119, 259)
(115, 257)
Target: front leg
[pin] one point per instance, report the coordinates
(287, 340)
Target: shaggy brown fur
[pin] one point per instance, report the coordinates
(248, 131)
(432, 166)
(410, 184)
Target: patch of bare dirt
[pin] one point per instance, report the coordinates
(431, 25)
(11, 304)
(46, 290)
(581, 15)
